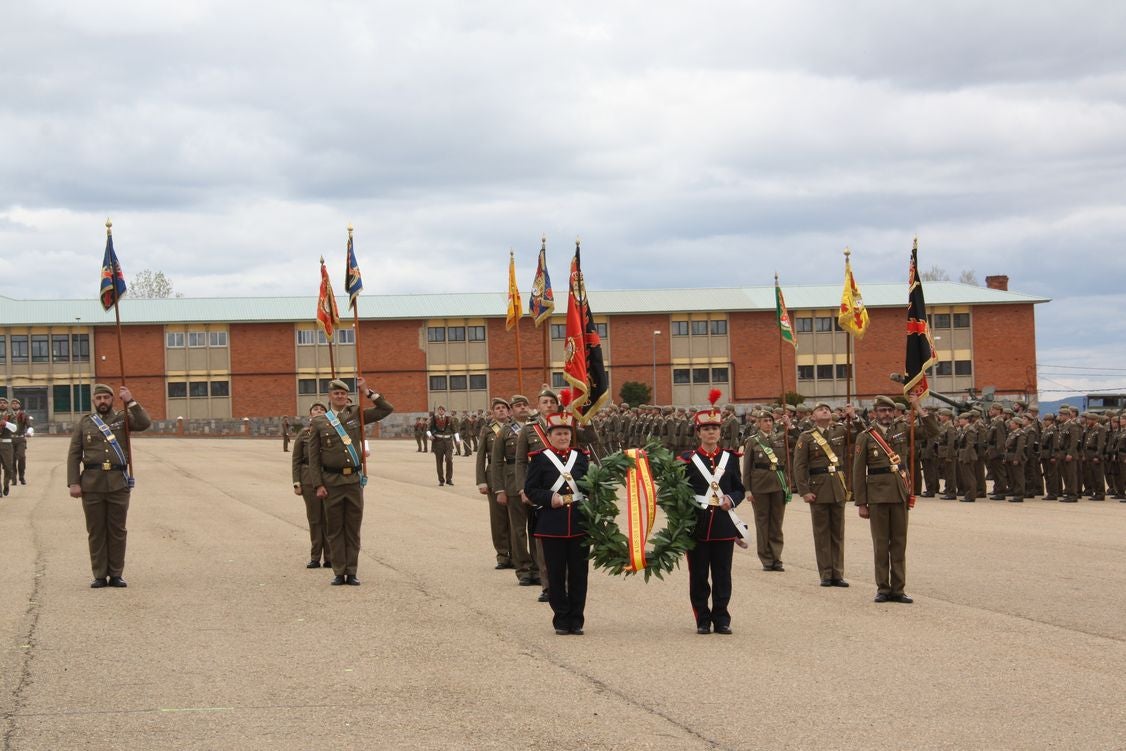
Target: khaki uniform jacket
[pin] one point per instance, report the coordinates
(502, 462)
(527, 442)
(996, 436)
(729, 433)
(758, 477)
(301, 475)
(813, 470)
(329, 455)
(484, 453)
(947, 441)
(886, 484)
(90, 451)
(1016, 446)
(1068, 436)
(967, 444)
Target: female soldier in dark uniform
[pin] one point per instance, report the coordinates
(552, 488)
(713, 473)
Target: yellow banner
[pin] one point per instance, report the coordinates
(641, 507)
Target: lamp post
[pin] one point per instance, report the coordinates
(655, 335)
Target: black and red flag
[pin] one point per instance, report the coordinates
(920, 348)
(583, 367)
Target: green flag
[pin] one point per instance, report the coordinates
(785, 330)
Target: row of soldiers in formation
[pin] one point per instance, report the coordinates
(15, 427)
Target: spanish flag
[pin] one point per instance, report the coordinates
(853, 316)
(515, 307)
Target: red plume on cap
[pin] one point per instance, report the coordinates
(714, 395)
(564, 398)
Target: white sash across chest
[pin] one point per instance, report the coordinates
(565, 473)
(712, 478)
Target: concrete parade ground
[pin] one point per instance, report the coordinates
(224, 640)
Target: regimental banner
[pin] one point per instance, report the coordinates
(112, 287)
(785, 330)
(583, 366)
(542, 302)
(327, 314)
(353, 281)
(641, 507)
(515, 307)
(920, 347)
(853, 316)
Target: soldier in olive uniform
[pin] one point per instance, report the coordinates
(335, 467)
(304, 487)
(1049, 440)
(1094, 447)
(820, 478)
(7, 450)
(881, 487)
(946, 454)
(1069, 434)
(502, 470)
(764, 474)
(966, 443)
(19, 442)
(442, 431)
(1016, 455)
(420, 435)
(498, 514)
(97, 472)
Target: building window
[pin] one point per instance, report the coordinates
(40, 348)
(961, 320)
(82, 397)
(61, 398)
(943, 368)
(824, 323)
(805, 372)
(842, 372)
(603, 330)
(437, 383)
(458, 382)
(174, 339)
(80, 347)
(197, 338)
(719, 328)
(699, 328)
(558, 381)
(681, 375)
(455, 333)
(701, 375)
(217, 338)
(824, 372)
(306, 337)
(197, 389)
(941, 320)
(478, 382)
(177, 390)
(719, 375)
(220, 388)
(680, 328)
(344, 336)
(307, 386)
(19, 348)
(803, 325)
(475, 333)
(559, 331)
(436, 334)
(60, 348)
(3, 349)
(963, 367)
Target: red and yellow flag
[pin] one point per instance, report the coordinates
(327, 315)
(853, 316)
(641, 507)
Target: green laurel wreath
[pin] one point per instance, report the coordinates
(609, 548)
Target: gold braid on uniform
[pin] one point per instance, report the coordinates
(609, 548)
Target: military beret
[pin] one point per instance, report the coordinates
(946, 411)
(1007, 411)
(883, 401)
(625, 405)
(997, 406)
(101, 388)
(16, 401)
(338, 385)
(966, 415)
(519, 399)
(790, 408)
(3, 399)
(762, 414)
(975, 412)
(902, 404)
(499, 400)
(666, 410)
(805, 408)
(318, 404)
(1021, 403)
(1033, 408)
(1050, 416)
(546, 391)
(1068, 407)
(819, 405)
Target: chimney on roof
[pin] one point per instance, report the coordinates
(997, 281)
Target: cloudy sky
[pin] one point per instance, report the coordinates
(688, 144)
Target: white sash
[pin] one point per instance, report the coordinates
(712, 478)
(565, 473)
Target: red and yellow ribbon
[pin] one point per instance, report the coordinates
(641, 507)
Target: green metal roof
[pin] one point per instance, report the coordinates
(485, 304)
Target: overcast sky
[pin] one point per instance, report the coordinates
(687, 144)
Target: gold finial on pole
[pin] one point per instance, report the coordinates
(322, 260)
(350, 228)
(109, 226)
(847, 252)
(776, 278)
(578, 240)
(916, 245)
(543, 242)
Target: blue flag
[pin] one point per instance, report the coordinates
(353, 282)
(113, 281)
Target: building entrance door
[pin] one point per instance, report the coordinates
(34, 402)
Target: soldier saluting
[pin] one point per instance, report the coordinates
(98, 473)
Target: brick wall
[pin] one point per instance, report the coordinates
(393, 360)
(143, 348)
(263, 374)
(503, 380)
(1005, 347)
(754, 343)
(632, 337)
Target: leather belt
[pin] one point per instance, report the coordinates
(5, 440)
(822, 471)
(769, 466)
(883, 470)
(339, 470)
(104, 466)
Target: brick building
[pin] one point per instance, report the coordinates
(258, 357)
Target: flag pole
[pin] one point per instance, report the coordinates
(356, 355)
(329, 339)
(547, 326)
(516, 333)
(849, 339)
(120, 357)
(782, 399)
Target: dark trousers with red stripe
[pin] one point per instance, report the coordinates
(710, 559)
(567, 570)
